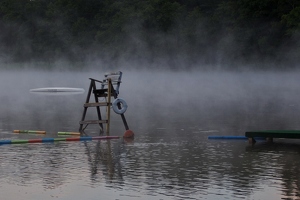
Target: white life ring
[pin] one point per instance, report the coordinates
(119, 109)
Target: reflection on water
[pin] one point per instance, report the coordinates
(186, 169)
(170, 157)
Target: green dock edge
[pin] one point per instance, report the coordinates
(274, 133)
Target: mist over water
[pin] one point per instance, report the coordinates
(171, 113)
(244, 100)
(232, 100)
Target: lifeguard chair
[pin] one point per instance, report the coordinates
(110, 86)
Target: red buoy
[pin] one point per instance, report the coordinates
(128, 134)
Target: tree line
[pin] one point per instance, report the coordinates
(171, 32)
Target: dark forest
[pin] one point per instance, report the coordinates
(172, 33)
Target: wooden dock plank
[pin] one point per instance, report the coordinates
(93, 122)
(95, 104)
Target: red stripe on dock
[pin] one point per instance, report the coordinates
(73, 139)
(35, 141)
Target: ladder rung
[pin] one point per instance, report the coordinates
(93, 122)
(94, 104)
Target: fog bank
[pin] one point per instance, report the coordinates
(230, 102)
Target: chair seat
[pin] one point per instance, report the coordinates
(100, 92)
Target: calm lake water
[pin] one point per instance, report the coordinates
(172, 114)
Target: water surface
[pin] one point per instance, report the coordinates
(172, 114)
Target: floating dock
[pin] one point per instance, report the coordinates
(30, 131)
(221, 137)
(47, 140)
(68, 133)
(270, 134)
(228, 137)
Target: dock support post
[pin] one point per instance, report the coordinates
(251, 140)
(269, 139)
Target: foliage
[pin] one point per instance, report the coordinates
(193, 31)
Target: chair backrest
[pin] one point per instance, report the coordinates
(115, 78)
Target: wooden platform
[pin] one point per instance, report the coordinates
(270, 134)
